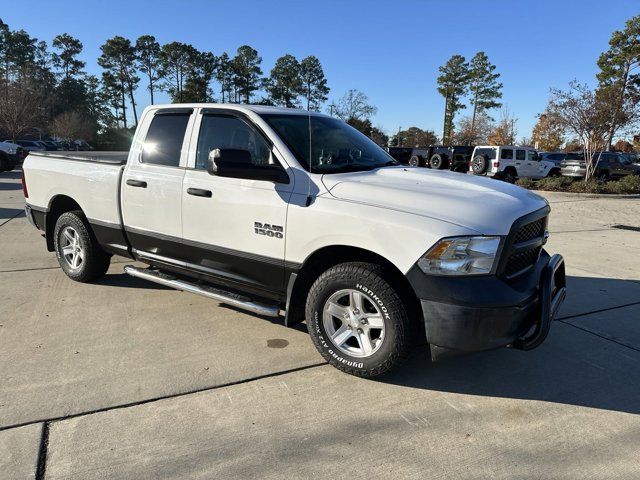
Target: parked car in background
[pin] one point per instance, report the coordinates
(413, 156)
(509, 162)
(555, 157)
(607, 165)
(11, 156)
(31, 145)
(453, 157)
(81, 146)
(634, 157)
(50, 145)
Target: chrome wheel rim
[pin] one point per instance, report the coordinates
(354, 323)
(71, 247)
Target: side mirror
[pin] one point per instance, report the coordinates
(236, 163)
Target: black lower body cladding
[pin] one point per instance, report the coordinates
(475, 313)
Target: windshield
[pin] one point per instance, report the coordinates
(335, 146)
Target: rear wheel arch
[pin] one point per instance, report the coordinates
(58, 205)
(327, 257)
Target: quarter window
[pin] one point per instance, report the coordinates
(219, 131)
(506, 154)
(163, 143)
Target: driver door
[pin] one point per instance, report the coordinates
(234, 228)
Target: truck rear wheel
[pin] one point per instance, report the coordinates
(414, 161)
(80, 256)
(437, 162)
(357, 320)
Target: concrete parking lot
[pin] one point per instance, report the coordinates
(127, 379)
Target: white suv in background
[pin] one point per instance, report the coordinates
(509, 163)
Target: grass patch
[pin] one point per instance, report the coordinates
(626, 185)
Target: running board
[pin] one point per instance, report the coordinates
(228, 298)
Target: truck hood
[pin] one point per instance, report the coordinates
(482, 204)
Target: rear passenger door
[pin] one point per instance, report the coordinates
(152, 186)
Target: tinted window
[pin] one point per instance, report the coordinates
(163, 143)
(490, 153)
(520, 154)
(507, 154)
(217, 131)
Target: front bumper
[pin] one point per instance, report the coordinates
(470, 314)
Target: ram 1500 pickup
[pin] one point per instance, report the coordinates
(276, 210)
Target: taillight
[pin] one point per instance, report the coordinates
(24, 186)
(496, 164)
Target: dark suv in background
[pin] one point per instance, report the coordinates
(609, 165)
(454, 157)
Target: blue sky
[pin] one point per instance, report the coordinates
(390, 50)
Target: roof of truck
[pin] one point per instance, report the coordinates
(259, 109)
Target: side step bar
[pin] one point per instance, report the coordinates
(227, 298)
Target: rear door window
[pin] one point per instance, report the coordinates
(521, 154)
(163, 143)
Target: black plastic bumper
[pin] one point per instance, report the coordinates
(470, 314)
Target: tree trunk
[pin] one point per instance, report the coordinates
(124, 108)
(133, 104)
(614, 126)
(473, 116)
(151, 85)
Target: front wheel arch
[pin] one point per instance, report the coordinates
(300, 281)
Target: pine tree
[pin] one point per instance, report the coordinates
(314, 83)
(148, 59)
(284, 84)
(119, 56)
(453, 83)
(246, 65)
(618, 76)
(483, 86)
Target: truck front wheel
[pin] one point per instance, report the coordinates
(78, 252)
(357, 320)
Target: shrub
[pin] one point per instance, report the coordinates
(627, 185)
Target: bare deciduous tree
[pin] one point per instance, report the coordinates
(20, 108)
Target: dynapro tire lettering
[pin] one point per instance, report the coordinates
(275, 231)
(376, 299)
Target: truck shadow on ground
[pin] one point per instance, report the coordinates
(9, 213)
(576, 365)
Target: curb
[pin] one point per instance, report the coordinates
(591, 195)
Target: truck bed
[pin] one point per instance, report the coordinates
(91, 179)
(113, 158)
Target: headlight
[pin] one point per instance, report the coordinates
(461, 256)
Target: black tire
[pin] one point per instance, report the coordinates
(479, 164)
(414, 161)
(94, 262)
(368, 280)
(4, 164)
(509, 176)
(437, 162)
(554, 172)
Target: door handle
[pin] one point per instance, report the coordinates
(199, 192)
(136, 183)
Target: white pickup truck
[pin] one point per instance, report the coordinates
(276, 210)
